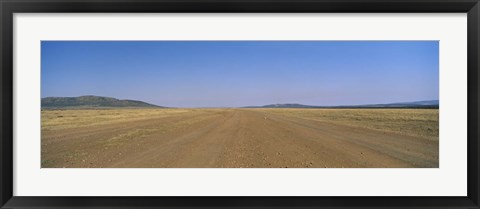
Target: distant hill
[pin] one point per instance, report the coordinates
(427, 103)
(417, 104)
(92, 102)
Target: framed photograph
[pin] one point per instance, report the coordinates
(239, 104)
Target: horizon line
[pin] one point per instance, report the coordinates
(246, 106)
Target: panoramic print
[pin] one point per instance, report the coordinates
(239, 104)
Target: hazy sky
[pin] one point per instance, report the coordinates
(243, 73)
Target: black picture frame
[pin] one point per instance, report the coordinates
(9, 7)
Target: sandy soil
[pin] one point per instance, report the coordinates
(232, 138)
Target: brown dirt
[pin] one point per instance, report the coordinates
(232, 138)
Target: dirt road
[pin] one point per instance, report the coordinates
(232, 138)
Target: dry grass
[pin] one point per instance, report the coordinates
(411, 122)
(62, 119)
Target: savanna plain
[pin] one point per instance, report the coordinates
(239, 138)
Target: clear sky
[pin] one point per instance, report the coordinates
(243, 73)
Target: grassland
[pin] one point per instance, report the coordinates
(233, 138)
(82, 118)
(411, 122)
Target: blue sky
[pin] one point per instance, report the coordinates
(243, 73)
